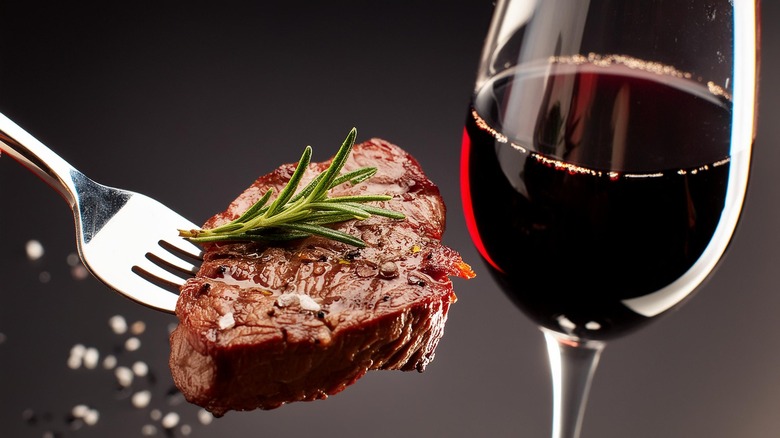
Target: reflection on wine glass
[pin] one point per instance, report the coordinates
(605, 161)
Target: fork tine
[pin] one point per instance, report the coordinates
(182, 247)
(173, 263)
(157, 272)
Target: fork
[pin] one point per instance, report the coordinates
(127, 240)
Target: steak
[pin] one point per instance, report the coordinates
(264, 324)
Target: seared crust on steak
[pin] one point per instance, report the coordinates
(266, 324)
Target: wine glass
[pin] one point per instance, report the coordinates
(604, 164)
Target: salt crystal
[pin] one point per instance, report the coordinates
(205, 417)
(593, 325)
(79, 411)
(91, 418)
(74, 362)
(308, 303)
(226, 321)
(79, 272)
(141, 399)
(170, 420)
(118, 324)
(44, 277)
(140, 369)
(148, 430)
(109, 362)
(138, 327)
(186, 429)
(76, 356)
(155, 414)
(285, 300)
(124, 376)
(34, 250)
(73, 259)
(132, 344)
(91, 358)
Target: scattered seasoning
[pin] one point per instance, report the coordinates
(415, 249)
(34, 250)
(109, 362)
(138, 328)
(140, 369)
(91, 358)
(170, 420)
(141, 399)
(118, 324)
(132, 344)
(124, 376)
(44, 277)
(388, 270)
(205, 417)
(226, 321)
(148, 430)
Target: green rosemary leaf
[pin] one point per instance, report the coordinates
(355, 177)
(255, 208)
(328, 233)
(295, 215)
(379, 211)
(288, 190)
(355, 210)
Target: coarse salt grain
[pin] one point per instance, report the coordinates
(306, 302)
(109, 362)
(205, 417)
(226, 321)
(44, 277)
(155, 414)
(92, 416)
(79, 272)
(124, 376)
(118, 324)
(132, 344)
(140, 369)
(170, 420)
(138, 327)
(285, 300)
(73, 259)
(34, 250)
(91, 358)
(148, 430)
(79, 411)
(141, 399)
(76, 356)
(185, 429)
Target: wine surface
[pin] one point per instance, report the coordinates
(586, 186)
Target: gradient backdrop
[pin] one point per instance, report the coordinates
(190, 101)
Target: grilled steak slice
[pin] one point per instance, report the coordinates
(262, 325)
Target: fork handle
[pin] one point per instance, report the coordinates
(38, 158)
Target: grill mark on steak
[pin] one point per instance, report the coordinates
(262, 325)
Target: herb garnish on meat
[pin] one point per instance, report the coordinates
(295, 215)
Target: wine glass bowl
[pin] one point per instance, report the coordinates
(605, 160)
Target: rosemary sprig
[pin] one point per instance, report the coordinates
(295, 215)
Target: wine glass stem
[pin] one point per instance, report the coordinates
(572, 364)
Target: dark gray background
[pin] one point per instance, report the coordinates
(190, 101)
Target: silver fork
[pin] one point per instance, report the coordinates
(127, 240)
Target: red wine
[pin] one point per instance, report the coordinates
(588, 187)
